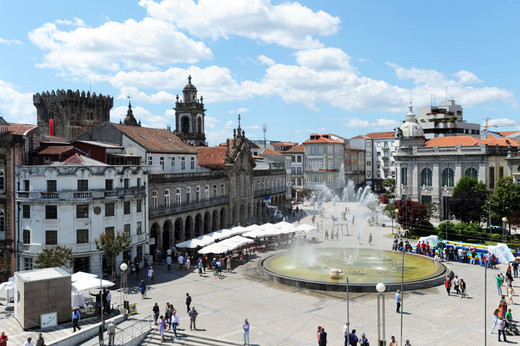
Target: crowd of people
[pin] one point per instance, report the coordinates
(351, 338)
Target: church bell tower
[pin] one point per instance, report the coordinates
(189, 116)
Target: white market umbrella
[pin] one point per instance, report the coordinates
(306, 228)
(81, 275)
(213, 248)
(88, 283)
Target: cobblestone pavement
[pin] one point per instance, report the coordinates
(283, 315)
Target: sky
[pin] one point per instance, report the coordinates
(343, 67)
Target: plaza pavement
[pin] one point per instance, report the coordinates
(283, 315)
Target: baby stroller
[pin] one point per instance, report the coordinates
(511, 329)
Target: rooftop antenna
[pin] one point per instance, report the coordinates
(129, 97)
(265, 131)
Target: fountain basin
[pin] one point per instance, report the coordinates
(363, 267)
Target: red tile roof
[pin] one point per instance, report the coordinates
(211, 157)
(21, 129)
(469, 140)
(374, 135)
(268, 151)
(296, 149)
(282, 144)
(55, 150)
(321, 140)
(156, 140)
(509, 133)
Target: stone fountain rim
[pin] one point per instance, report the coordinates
(429, 281)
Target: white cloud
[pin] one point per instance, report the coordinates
(466, 77)
(210, 122)
(147, 118)
(500, 122)
(379, 123)
(289, 24)
(251, 127)
(6, 41)
(240, 110)
(262, 59)
(16, 106)
(113, 46)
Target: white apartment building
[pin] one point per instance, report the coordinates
(379, 161)
(71, 203)
(297, 156)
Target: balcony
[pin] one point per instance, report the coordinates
(71, 196)
(269, 192)
(174, 209)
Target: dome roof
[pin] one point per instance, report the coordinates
(189, 86)
(129, 119)
(410, 128)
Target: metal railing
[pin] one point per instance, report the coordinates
(172, 209)
(133, 331)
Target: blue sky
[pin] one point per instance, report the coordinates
(345, 67)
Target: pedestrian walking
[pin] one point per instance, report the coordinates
(499, 281)
(3, 339)
(150, 274)
(318, 334)
(323, 337)
(160, 327)
(363, 340)
(142, 289)
(393, 342)
(398, 301)
(169, 262)
(495, 320)
(501, 325)
(180, 260)
(447, 284)
(188, 302)
(326, 235)
(39, 342)
(462, 288)
(245, 329)
(28, 342)
(175, 321)
(76, 316)
(407, 343)
(370, 239)
(353, 338)
(101, 333)
(111, 330)
(155, 311)
(456, 283)
(193, 317)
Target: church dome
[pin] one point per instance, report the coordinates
(410, 128)
(129, 119)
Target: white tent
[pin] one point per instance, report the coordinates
(88, 283)
(226, 245)
(213, 248)
(81, 275)
(306, 228)
(200, 241)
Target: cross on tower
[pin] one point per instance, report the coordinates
(189, 79)
(238, 120)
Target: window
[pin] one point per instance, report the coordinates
(161, 162)
(188, 195)
(51, 185)
(27, 263)
(109, 184)
(223, 189)
(215, 190)
(173, 162)
(197, 194)
(192, 163)
(138, 182)
(82, 211)
(472, 172)
(26, 211)
(126, 183)
(82, 236)
(126, 208)
(154, 200)
(404, 176)
(139, 205)
(166, 198)
(426, 177)
(139, 228)
(206, 192)
(110, 209)
(426, 199)
(26, 185)
(293, 158)
(183, 163)
(126, 229)
(83, 185)
(500, 172)
(51, 237)
(491, 177)
(2, 180)
(178, 197)
(26, 237)
(109, 231)
(150, 161)
(51, 212)
(299, 158)
(448, 177)
(139, 253)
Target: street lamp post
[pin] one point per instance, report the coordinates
(396, 212)
(380, 287)
(504, 220)
(123, 268)
(401, 297)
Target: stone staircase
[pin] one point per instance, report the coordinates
(153, 338)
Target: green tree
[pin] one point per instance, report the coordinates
(413, 216)
(469, 196)
(390, 187)
(54, 256)
(112, 245)
(505, 200)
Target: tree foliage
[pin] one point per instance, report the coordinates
(505, 200)
(54, 256)
(469, 196)
(390, 187)
(112, 245)
(413, 216)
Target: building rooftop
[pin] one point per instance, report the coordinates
(212, 157)
(268, 151)
(469, 140)
(79, 160)
(41, 274)
(55, 150)
(20, 129)
(296, 149)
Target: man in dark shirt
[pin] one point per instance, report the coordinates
(323, 337)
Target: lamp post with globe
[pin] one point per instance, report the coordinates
(380, 287)
(504, 228)
(123, 266)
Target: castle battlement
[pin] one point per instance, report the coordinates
(72, 96)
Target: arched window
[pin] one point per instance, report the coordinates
(185, 125)
(166, 198)
(161, 162)
(197, 194)
(188, 195)
(178, 197)
(448, 177)
(206, 192)
(472, 172)
(426, 177)
(154, 200)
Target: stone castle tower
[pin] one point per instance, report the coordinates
(67, 113)
(189, 116)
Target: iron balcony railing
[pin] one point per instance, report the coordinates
(194, 205)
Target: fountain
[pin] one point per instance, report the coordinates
(328, 268)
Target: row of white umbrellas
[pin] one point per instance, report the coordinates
(84, 281)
